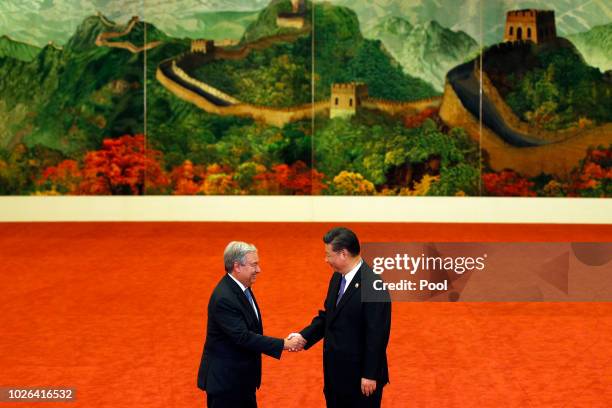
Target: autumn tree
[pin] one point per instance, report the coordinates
(296, 179)
(186, 179)
(349, 183)
(507, 183)
(122, 166)
(593, 176)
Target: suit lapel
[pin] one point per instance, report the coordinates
(242, 299)
(349, 291)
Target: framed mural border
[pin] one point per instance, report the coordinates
(307, 209)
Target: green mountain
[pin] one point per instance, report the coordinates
(478, 18)
(30, 82)
(18, 50)
(74, 96)
(281, 74)
(595, 46)
(428, 50)
(38, 22)
(265, 24)
(342, 54)
(84, 37)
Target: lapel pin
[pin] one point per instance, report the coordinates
(357, 285)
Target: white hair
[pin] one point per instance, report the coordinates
(236, 251)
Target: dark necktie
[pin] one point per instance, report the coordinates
(341, 291)
(247, 292)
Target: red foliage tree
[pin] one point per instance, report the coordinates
(593, 177)
(296, 179)
(64, 178)
(507, 183)
(122, 166)
(187, 179)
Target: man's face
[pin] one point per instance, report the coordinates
(247, 273)
(337, 260)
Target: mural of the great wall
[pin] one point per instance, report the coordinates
(283, 97)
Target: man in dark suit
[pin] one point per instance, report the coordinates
(230, 368)
(355, 334)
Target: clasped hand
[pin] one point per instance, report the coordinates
(295, 342)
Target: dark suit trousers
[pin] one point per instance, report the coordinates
(356, 400)
(231, 401)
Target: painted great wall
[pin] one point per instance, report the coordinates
(174, 76)
(401, 107)
(508, 142)
(514, 144)
(102, 40)
(177, 80)
(214, 101)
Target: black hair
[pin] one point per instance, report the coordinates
(342, 238)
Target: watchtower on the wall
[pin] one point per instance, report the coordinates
(203, 46)
(530, 25)
(345, 98)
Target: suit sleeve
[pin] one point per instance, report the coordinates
(315, 331)
(377, 328)
(231, 321)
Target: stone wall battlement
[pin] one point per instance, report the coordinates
(346, 86)
(530, 13)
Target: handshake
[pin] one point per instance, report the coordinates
(294, 342)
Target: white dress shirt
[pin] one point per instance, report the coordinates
(351, 274)
(244, 288)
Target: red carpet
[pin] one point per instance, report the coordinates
(117, 311)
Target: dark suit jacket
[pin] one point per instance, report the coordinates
(355, 335)
(231, 361)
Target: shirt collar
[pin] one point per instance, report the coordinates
(349, 276)
(244, 288)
